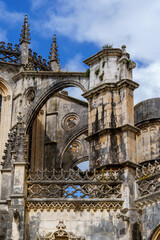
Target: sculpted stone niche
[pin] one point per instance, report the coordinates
(59, 234)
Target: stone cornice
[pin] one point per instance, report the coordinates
(73, 205)
(126, 127)
(48, 74)
(148, 199)
(115, 86)
(119, 165)
(105, 52)
(147, 123)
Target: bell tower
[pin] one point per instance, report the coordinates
(111, 132)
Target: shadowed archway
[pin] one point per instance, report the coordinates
(44, 95)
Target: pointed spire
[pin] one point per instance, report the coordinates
(25, 31)
(54, 60)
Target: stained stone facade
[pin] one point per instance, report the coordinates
(45, 134)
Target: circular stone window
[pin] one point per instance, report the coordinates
(75, 147)
(70, 121)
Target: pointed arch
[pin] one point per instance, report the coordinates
(156, 233)
(44, 95)
(5, 112)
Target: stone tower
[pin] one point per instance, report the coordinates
(111, 130)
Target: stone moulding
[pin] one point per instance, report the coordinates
(148, 169)
(118, 85)
(72, 175)
(149, 199)
(75, 206)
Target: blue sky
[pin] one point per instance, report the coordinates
(83, 27)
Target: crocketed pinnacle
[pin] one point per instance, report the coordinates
(25, 31)
(54, 51)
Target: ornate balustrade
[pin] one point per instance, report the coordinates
(148, 170)
(75, 184)
(36, 63)
(148, 179)
(8, 53)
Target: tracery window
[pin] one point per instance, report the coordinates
(75, 147)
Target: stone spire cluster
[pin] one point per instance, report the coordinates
(25, 32)
(54, 60)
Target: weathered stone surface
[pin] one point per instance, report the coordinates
(147, 110)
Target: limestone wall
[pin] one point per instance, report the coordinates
(147, 119)
(93, 225)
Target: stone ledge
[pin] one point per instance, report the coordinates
(73, 205)
(148, 199)
(126, 127)
(48, 73)
(116, 85)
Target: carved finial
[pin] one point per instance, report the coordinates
(54, 55)
(61, 225)
(25, 31)
(123, 48)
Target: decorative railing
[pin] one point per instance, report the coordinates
(8, 53)
(36, 63)
(148, 170)
(148, 178)
(75, 184)
(149, 186)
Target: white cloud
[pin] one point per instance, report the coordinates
(149, 80)
(133, 23)
(35, 4)
(8, 16)
(3, 34)
(75, 64)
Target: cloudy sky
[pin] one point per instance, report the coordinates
(84, 26)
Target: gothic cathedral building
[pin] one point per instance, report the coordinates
(45, 134)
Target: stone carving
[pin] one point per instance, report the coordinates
(8, 54)
(71, 175)
(70, 121)
(30, 95)
(65, 185)
(147, 200)
(149, 186)
(76, 206)
(76, 147)
(85, 191)
(148, 169)
(61, 232)
(37, 63)
(16, 144)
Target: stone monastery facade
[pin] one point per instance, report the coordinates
(45, 134)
